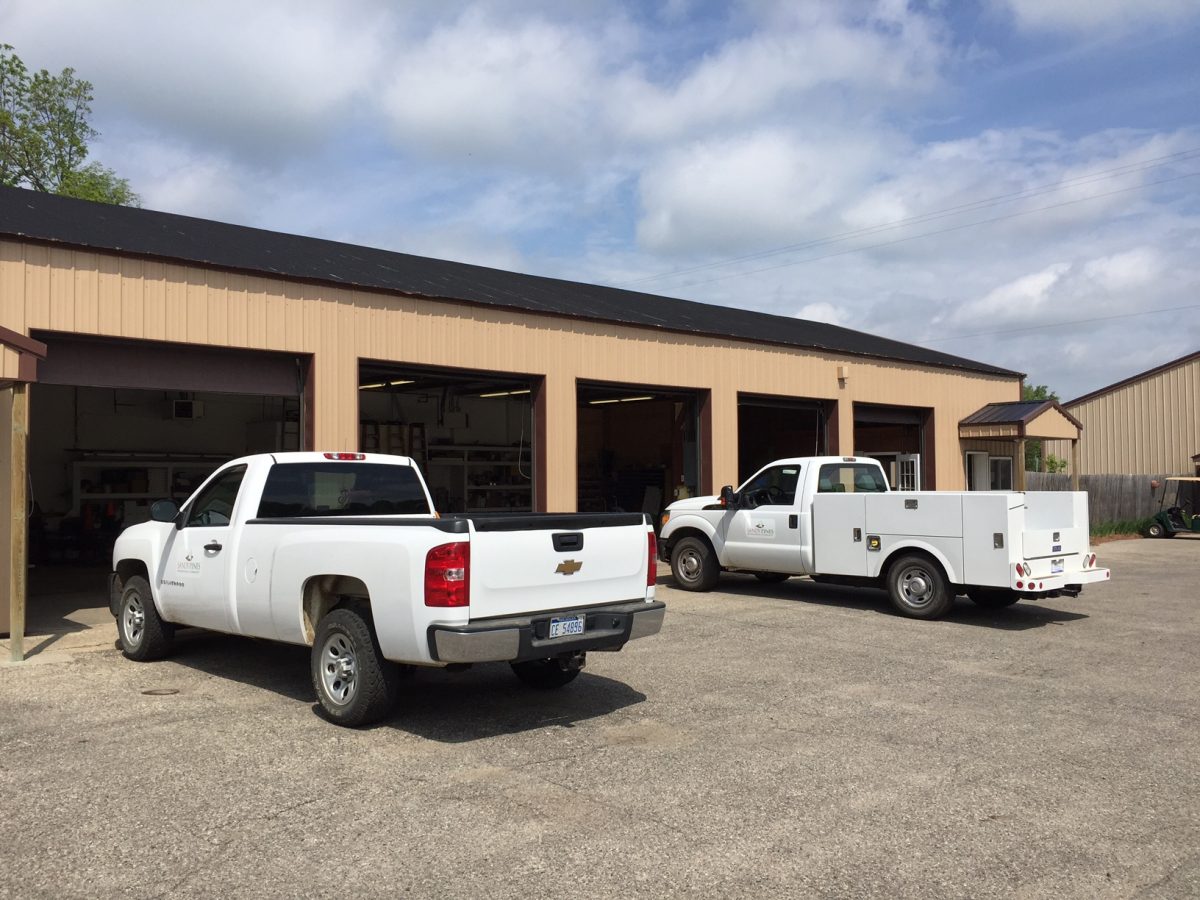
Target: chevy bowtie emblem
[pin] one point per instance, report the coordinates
(568, 567)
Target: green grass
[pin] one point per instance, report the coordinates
(1128, 526)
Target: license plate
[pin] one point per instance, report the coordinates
(566, 625)
(1056, 566)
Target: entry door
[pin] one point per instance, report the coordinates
(194, 585)
(769, 536)
(908, 472)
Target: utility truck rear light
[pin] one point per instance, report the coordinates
(346, 456)
(448, 575)
(652, 562)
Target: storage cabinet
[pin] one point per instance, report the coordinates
(479, 478)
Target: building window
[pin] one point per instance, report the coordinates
(1001, 471)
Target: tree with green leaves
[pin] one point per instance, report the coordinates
(1033, 449)
(44, 135)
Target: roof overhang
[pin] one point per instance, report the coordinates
(1046, 421)
(25, 351)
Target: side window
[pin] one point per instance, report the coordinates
(214, 506)
(775, 486)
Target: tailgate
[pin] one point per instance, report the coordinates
(1056, 524)
(523, 565)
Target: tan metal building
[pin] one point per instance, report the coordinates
(1148, 424)
(141, 348)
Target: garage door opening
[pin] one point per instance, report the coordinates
(115, 426)
(771, 428)
(639, 447)
(471, 432)
(895, 436)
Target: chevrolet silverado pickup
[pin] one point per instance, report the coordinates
(344, 552)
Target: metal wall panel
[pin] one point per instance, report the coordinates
(106, 294)
(1147, 427)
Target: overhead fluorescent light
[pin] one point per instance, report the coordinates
(505, 393)
(382, 384)
(618, 400)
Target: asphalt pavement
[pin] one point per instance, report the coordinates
(784, 740)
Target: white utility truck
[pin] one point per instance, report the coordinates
(834, 519)
(344, 552)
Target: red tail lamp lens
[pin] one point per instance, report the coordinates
(652, 562)
(448, 575)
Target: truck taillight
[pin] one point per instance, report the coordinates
(448, 575)
(652, 563)
(346, 456)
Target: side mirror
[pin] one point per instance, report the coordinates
(728, 498)
(164, 511)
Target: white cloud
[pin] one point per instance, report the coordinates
(1091, 15)
(823, 312)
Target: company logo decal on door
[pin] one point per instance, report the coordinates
(760, 528)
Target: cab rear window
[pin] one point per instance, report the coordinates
(299, 490)
(850, 478)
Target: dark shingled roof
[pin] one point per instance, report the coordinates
(1018, 412)
(78, 223)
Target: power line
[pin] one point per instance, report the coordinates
(1041, 327)
(1081, 180)
(959, 227)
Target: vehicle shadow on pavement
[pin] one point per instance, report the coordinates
(452, 707)
(1019, 617)
(488, 700)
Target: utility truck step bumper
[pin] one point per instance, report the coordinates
(518, 638)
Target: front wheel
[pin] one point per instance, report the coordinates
(917, 588)
(1156, 530)
(547, 674)
(355, 685)
(142, 633)
(694, 565)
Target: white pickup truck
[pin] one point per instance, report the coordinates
(344, 552)
(834, 519)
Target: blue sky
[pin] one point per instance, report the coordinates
(1014, 181)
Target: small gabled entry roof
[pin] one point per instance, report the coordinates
(1038, 419)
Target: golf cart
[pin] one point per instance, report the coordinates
(1177, 511)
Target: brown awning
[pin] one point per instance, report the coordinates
(1036, 419)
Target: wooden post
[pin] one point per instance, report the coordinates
(1019, 465)
(1075, 464)
(19, 527)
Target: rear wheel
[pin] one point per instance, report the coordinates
(917, 588)
(355, 685)
(694, 565)
(547, 674)
(143, 634)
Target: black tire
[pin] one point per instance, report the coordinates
(917, 587)
(1156, 530)
(771, 577)
(355, 685)
(142, 633)
(993, 598)
(546, 674)
(694, 564)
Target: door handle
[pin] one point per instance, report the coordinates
(857, 535)
(212, 546)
